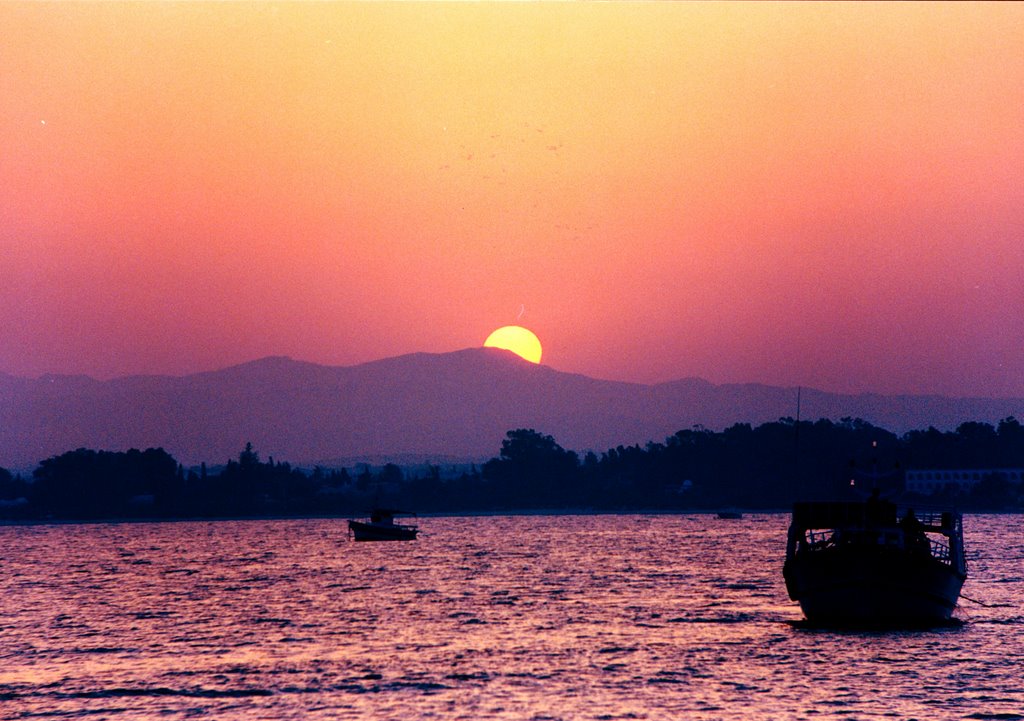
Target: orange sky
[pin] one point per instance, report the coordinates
(829, 195)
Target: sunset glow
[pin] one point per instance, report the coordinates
(817, 194)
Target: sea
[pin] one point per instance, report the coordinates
(527, 617)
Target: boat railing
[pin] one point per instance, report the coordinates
(929, 518)
(820, 539)
(939, 549)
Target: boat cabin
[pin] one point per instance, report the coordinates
(821, 525)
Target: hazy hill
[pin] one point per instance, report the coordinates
(412, 407)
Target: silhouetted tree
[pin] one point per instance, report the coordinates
(391, 474)
(364, 480)
(533, 466)
(1011, 443)
(12, 487)
(100, 484)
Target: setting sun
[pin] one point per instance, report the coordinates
(517, 339)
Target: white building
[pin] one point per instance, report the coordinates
(962, 480)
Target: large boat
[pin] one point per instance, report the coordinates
(854, 563)
(382, 527)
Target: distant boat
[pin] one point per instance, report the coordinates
(851, 563)
(730, 514)
(382, 527)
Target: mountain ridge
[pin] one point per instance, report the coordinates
(446, 405)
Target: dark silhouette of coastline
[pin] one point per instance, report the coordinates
(694, 469)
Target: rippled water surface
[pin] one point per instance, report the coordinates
(526, 617)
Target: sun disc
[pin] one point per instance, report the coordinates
(517, 339)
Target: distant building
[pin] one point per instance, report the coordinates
(930, 482)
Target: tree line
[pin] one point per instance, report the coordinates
(763, 467)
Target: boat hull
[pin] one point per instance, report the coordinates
(869, 586)
(381, 532)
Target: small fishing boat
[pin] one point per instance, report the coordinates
(730, 514)
(869, 562)
(382, 527)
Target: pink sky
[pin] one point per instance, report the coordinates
(827, 195)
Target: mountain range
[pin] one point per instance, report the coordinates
(420, 407)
